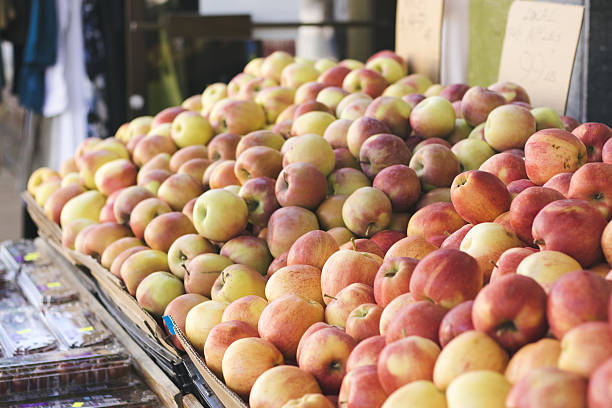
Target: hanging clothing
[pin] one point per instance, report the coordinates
(67, 88)
(40, 52)
(95, 55)
(16, 33)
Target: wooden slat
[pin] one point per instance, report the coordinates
(50, 230)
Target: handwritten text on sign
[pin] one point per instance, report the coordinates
(539, 50)
(418, 35)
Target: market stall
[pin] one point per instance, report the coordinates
(320, 233)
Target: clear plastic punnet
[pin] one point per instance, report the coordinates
(134, 395)
(75, 326)
(23, 332)
(46, 285)
(62, 373)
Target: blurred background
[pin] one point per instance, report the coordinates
(103, 62)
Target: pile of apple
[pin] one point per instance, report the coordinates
(339, 233)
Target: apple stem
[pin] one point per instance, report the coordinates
(331, 297)
(505, 326)
(335, 365)
(353, 242)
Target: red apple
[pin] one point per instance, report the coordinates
(363, 245)
(353, 384)
(406, 360)
(324, 354)
(278, 324)
(479, 196)
(364, 321)
(412, 247)
(300, 184)
(334, 76)
(360, 130)
(421, 318)
(220, 338)
(599, 393)
(526, 206)
(549, 387)
(478, 102)
(364, 80)
(575, 298)
(591, 182)
(509, 261)
(366, 211)
(223, 146)
(393, 279)
(164, 229)
(259, 196)
(551, 225)
(453, 241)
(560, 182)
(512, 310)
(345, 267)
(385, 239)
(144, 212)
(446, 277)
(381, 151)
(584, 347)
(594, 135)
(435, 165)
(435, 222)
(340, 306)
(458, 320)
(516, 186)
(394, 112)
(606, 152)
(312, 248)
(552, 151)
(506, 166)
(510, 91)
(258, 161)
(286, 225)
(366, 353)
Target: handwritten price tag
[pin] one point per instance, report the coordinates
(540, 48)
(418, 35)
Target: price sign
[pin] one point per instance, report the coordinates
(418, 35)
(540, 48)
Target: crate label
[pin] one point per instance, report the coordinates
(31, 256)
(54, 284)
(24, 331)
(77, 404)
(169, 324)
(418, 35)
(539, 50)
(86, 329)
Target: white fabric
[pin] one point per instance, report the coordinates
(455, 41)
(67, 88)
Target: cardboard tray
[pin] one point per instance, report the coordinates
(213, 390)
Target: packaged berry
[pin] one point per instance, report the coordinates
(75, 326)
(46, 285)
(23, 331)
(62, 373)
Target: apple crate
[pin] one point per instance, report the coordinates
(212, 389)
